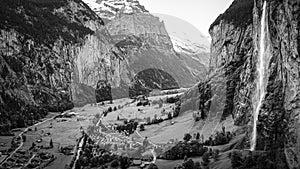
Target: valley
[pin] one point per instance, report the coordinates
(67, 131)
(106, 84)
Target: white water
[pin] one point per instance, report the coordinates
(261, 72)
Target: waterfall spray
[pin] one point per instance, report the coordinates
(261, 71)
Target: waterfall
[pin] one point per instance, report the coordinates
(261, 71)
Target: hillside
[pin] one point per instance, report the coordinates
(43, 47)
(153, 46)
(230, 90)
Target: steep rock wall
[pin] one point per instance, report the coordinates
(234, 58)
(52, 55)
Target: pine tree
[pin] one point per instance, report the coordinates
(51, 143)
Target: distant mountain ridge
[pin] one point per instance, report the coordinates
(54, 54)
(110, 9)
(155, 47)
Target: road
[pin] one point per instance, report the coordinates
(30, 160)
(78, 152)
(82, 140)
(20, 135)
(152, 150)
(153, 145)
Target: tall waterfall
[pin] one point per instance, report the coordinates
(261, 71)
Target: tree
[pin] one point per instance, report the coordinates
(109, 109)
(205, 158)
(94, 161)
(152, 166)
(114, 164)
(51, 143)
(142, 127)
(216, 154)
(24, 138)
(118, 118)
(160, 104)
(115, 108)
(197, 165)
(185, 158)
(236, 160)
(169, 115)
(32, 146)
(198, 136)
(189, 164)
(101, 161)
(223, 129)
(187, 137)
(145, 142)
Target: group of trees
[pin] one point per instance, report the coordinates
(143, 103)
(128, 127)
(190, 164)
(103, 159)
(155, 121)
(183, 149)
(93, 156)
(109, 110)
(266, 160)
(18, 116)
(176, 112)
(220, 138)
(173, 99)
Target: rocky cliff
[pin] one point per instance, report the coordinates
(151, 45)
(154, 48)
(56, 54)
(230, 89)
(110, 9)
(53, 53)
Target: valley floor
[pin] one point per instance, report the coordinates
(66, 132)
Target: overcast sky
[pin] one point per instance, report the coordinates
(200, 13)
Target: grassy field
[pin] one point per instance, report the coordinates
(66, 131)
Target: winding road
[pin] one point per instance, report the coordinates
(22, 143)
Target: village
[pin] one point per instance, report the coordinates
(103, 134)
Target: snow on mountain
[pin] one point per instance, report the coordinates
(187, 46)
(185, 37)
(109, 9)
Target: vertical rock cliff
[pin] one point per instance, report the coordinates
(279, 118)
(153, 48)
(53, 53)
(145, 41)
(234, 58)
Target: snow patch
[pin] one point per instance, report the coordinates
(187, 46)
(108, 9)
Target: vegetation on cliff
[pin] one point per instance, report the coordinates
(35, 69)
(239, 14)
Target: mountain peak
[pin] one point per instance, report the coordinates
(109, 9)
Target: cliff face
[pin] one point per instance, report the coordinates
(147, 80)
(52, 55)
(149, 28)
(145, 41)
(232, 59)
(153, 48)
(110, 9)
(280, 117)
(233, 74)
